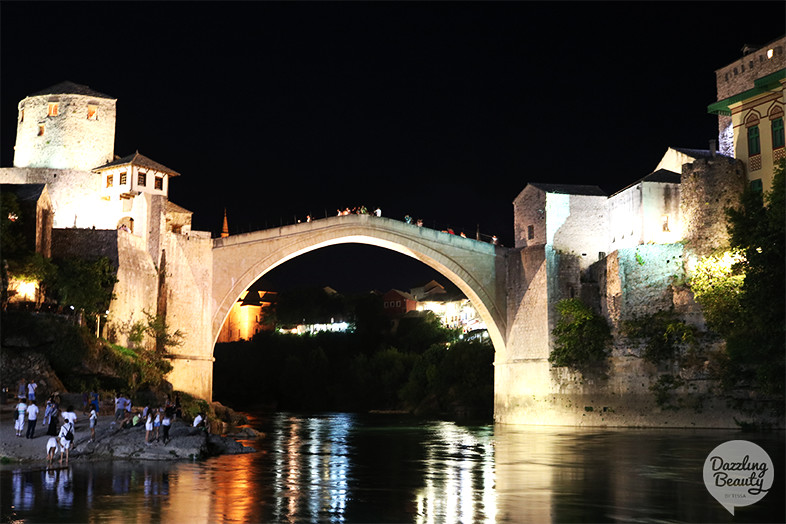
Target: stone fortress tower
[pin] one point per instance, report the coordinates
(66, 126)
(104, 205)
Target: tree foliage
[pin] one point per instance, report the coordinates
(755, 343)
(160, 331)
(662, 333)
(743, 292)
(85, 284)
(581, 337)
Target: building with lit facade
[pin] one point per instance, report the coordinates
(750, 109)
(246, 318)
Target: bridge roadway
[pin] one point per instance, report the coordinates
(477, 268)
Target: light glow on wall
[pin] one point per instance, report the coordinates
(25, 291)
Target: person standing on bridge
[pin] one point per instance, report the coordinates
(377, 212)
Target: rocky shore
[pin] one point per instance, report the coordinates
(113, 442)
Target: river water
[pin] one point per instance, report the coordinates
(339, 467)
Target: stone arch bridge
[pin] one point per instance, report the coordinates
(476, 268)
(507, 286)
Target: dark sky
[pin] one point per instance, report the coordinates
(441, 110)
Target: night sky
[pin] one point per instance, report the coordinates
(441, 110)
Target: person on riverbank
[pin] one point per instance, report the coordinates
(52, 447)
(69, 416)
(66, 437)
(148, 427)
(32, 418)
(48, 409)
(19, 421)
(54, 415)
(94, 400)
(31, 387)
(166, 422)
(93, 422)
(156, 424)
(21, 392)
(120, 407)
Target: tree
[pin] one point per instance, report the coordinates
(159, 330)
(85, 284)
(755, 344)
(581, 337)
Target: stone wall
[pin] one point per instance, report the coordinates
(73, 195)
(739, 75)
(189, 280)
(581, 225)
(708, 188)
(527, 306)
(529, 210)
(68, 140)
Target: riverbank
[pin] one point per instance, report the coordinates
(113, 442)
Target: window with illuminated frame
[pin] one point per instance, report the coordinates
(777, 130)
(158, 183)
(754, 145)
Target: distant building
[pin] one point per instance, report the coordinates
(454, 310)
(246, 318)
(397, 303)
(750, 109)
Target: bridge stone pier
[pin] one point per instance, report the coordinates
(477, 268)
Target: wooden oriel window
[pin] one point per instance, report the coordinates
(123, 178)
(141, 179)
(159, 183)
(110, 180)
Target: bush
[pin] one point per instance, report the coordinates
(662, 334)
(581, 337)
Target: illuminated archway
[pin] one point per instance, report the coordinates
(476, 268)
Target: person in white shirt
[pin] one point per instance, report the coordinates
(31, 387)
(19, 422)
(198, 420)
(65, 443)
(93, 421)
(32, 418)
(69, 416)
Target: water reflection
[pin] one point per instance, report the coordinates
(458, 472)
(351, 468)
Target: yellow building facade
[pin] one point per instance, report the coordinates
(750, 110)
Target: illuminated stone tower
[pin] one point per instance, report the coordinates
(66, 126)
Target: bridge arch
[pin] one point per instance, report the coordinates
(476, 268)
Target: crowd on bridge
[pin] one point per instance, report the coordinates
(363, 210)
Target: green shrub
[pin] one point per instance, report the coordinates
(662, 334)
(581, 337)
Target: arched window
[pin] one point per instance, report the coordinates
(776, 119)
(752, 123)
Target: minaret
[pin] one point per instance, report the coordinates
(66, 126)
(225, 229)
